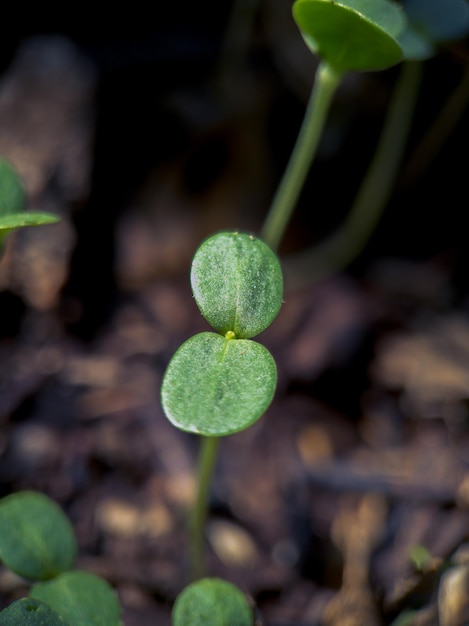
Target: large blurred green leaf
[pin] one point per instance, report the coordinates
(81, 599)
(216, 386)
(352, 35)
(37, 540)
(30, 612)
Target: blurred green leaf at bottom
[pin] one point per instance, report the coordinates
(81, 599)
(30, 612)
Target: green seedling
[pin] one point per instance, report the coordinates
(12, 203)
(212, 602)
(217, 384)
(330, 30)
(347, 35)
(37, 542)
(220, 383)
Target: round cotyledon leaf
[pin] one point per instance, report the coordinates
(216, 386)
(81, 599)
(352, 35)
(237, 283)
(212, 602)
(37, 540)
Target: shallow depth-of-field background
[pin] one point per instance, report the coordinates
(349, 499)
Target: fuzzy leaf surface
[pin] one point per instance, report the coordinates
(212, 602)
(352, 35)
(37, 540)
(237, 283)
(81, 599)
(216, 386)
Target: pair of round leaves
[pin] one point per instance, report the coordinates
(37, 542)
(220, 383)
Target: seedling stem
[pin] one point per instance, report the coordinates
(207, 458)
(324, 87)
(373, 195)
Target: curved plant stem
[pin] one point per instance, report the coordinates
(207, 458)
(347, 242)
(325, 84)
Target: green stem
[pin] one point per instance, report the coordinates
(207, 458)
(325, 84)
(347, 242)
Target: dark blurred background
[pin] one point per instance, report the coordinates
(146, 132)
